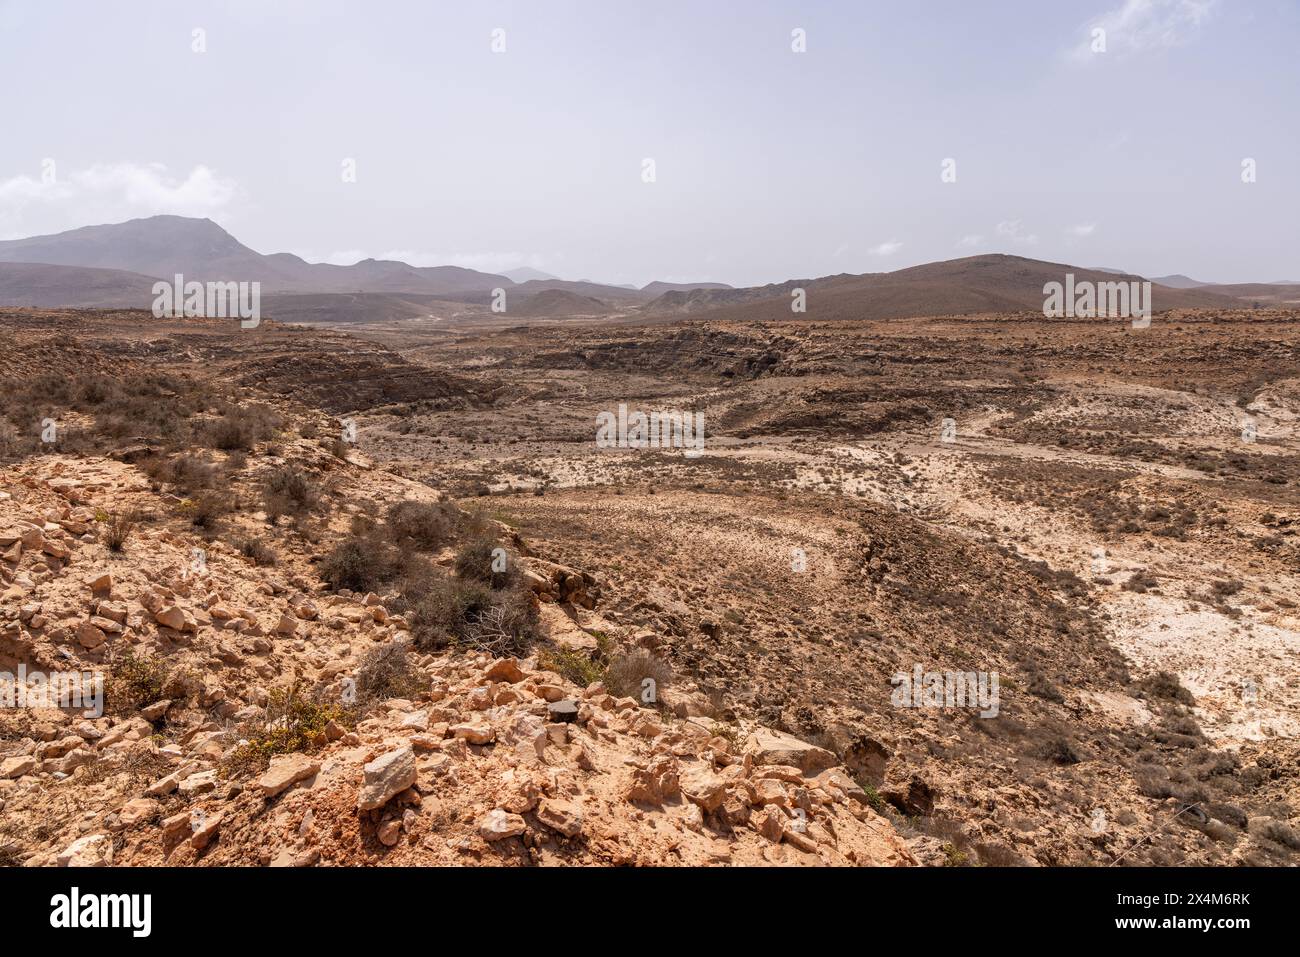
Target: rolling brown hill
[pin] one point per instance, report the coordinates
(593, 290)
(658, 288)
(327, 307)
(976, 284)
(42, 285)
(559, 303)
(1264, 292)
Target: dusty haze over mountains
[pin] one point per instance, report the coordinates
(769, 164)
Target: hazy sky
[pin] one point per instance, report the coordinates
(769, 164)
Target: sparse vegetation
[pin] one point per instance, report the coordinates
(573, 665)
(425, 525)
(362, 561)
(239, 428)
(626, 675)
(257, 550)
(118, 528)
(206, 510)
(386, 672)
(135, 681)
(288, 491)
(291, 722)
(482, 559)
(1166, 686)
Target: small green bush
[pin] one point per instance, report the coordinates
(291, 723)
(134, 682)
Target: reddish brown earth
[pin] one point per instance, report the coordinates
(1095, 527)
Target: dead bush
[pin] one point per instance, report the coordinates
(482, 559)
(361, 562)
(187, 472)
(1166, 686)
(386, 672)
(1059, 749)
(443, 610)
(118, 527)
(507, 628)
(627, 675)
(206, 510)
(1277, 832)
(239, 427)
(257, 550)
(425, 525)
(288, 490)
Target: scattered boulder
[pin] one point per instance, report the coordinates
(701, 786)
(775, 747)
(657, 782)
(565, 711)
(285, 771)
(137, 810)
(500, 824)
(474, 733)
(204, 828)
(93, 850)
(17, 767)
(507, 669)
(560, 816)
(89, 635)
(385, 777)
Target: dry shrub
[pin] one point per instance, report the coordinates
(426, 525)
(206, 510)
(1276, 832)
(186, 472)
(1059, 749)
(291, 722)
(118, 527)
(436, 606)
(256, 549)
(362, 561)
(288, 491)
(479, 559)
(572, 664)
(135, 682)
(1166, 686)
(442, 610)
(507, 628)
(626, 676)
(240, 428)
(386, 672)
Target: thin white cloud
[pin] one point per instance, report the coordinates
(1141, 26)
(1082, 230)
(57, 199)
(971, 241)
(887, 248)
(1013, 231)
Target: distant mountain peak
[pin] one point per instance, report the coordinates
(200, 249)
(527, 273)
